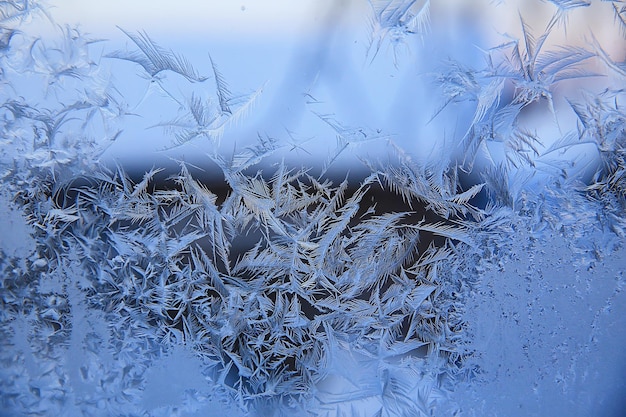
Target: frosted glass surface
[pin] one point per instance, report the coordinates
(316, 208)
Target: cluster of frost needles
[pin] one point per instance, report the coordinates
(282, 292)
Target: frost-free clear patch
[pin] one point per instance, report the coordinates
(16, 240)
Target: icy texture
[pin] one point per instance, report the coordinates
(493, 286)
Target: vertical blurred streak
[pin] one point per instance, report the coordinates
(309, 58)
(407, 111)
(321, 58)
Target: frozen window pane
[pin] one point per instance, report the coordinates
(369, 208)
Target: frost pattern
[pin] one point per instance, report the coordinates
(287, 291)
